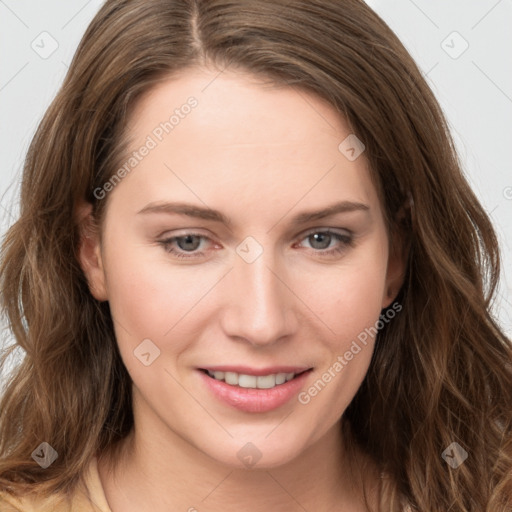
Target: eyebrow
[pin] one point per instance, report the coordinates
(205, 213)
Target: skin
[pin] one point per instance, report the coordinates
(260, 155)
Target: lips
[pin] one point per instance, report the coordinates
(254, 389)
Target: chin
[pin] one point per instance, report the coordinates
(258, 453)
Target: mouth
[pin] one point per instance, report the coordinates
(268, 380)
(253, 390)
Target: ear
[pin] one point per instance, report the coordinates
(397, 261)
(89, 252)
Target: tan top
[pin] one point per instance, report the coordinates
(92, 501)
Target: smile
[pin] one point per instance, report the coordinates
(252, 381)
(247, 392)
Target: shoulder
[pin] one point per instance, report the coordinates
(9, 504)
(31, 503)
(90, 498)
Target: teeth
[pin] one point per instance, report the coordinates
(266, 381)
(280, 378)
(252, 381)
(230, 378)
(247, 381)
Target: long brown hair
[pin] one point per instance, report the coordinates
(441, 371)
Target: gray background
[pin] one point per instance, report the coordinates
(463, 48)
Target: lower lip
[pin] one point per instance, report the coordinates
(255, 400)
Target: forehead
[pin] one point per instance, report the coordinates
(242, 140)
(245, 108)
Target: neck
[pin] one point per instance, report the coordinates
(157, 470)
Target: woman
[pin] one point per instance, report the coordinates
(249, 273)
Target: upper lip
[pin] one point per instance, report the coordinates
(247, 370)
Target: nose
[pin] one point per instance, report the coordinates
(259, 307)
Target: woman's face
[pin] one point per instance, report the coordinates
(215, 257)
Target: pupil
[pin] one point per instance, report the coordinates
(188, 239)
(317, 237)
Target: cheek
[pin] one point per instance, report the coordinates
(148, 298)
(349, 311)
(348, 298)
(349, 304)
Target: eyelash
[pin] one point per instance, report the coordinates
(347, 240)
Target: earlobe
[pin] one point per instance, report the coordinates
(393, 285)
(389, 297)
(89, 252)
(398, 255)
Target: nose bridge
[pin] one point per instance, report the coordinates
(259, 303)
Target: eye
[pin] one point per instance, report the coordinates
(186, 243)
(320, 240)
